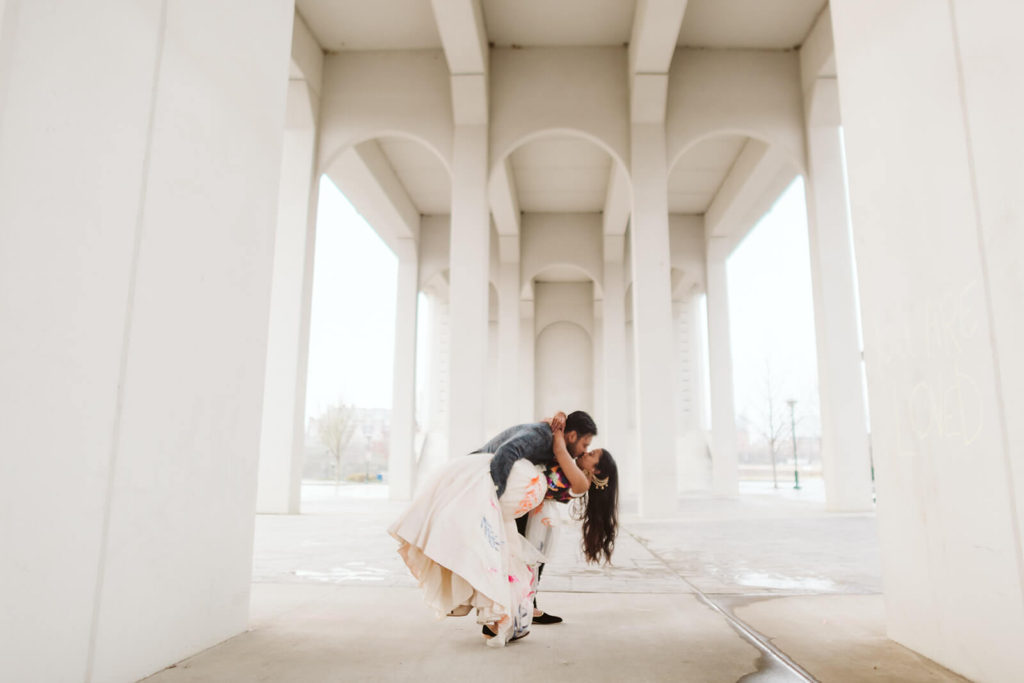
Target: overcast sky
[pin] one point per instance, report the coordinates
(771, 312)
(352, 328)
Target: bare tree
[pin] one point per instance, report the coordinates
(335, 429)
(772, 425)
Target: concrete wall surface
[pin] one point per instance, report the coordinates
(565, 369)
(560, 240)
(139, 160)
(753, 92)
(387, 92)
(541, 90)
(935, 180)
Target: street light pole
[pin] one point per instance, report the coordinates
(792, 431)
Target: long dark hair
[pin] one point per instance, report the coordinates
(599, 511)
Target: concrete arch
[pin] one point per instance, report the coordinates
(564, 367)
(328, 157)
(366, 175)
(690, 143)
(751, 92)
(366, 94)
(540, 133)
(544, 89)
(564, 302)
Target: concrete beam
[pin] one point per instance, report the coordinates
(469, 99)
(307, 55)
(817, 54)
(461, 25)
(656, 25)
(648, 94)
(504, 201)
(464, 38)
(822, 103)
(757, 178)
(618, 205)
(303, 106)
(365, 177)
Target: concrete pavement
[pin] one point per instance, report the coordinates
(767, 587)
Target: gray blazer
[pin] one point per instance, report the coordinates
(530, 441)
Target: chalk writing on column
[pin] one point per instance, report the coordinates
(929, 354)
(949, 409)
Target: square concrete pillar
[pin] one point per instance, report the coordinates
(694, 470)
(402, 455)
(527, 341)
(468, 298)
(138, 197)
(652, 321)
(844, 440)
(282, 441)
(508, 343)
(931, 107)
(724, 464)
(613, 319)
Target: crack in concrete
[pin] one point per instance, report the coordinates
(773, 664)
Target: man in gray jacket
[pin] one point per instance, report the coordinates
(534, 442)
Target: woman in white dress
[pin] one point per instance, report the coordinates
(460, 540)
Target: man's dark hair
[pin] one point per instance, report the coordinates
(581, 423)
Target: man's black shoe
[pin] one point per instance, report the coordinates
(547, 619)
(488, 633)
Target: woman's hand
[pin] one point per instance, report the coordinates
(578, 479)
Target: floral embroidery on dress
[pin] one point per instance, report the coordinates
(531, 499)
(492, 538)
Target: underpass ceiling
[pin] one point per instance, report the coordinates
(748, 24)
(425, 178)
(569, 23)
(377, 25)
(561, 174)
(695, 179)
(409, 24)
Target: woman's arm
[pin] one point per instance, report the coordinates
(578, 479)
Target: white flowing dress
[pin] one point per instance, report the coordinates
(460, 542)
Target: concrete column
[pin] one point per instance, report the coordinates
(938, 222)
(402, 455)
(701, 462)
(138, 197)
(508, 343)
(691, 448)
(470, 259)
(681, 365)
(845, 458)
(527, 348)
(284, 397)
(597, 354)
(724, 474)
(438, 374)
(613, 427)
(652, 321)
